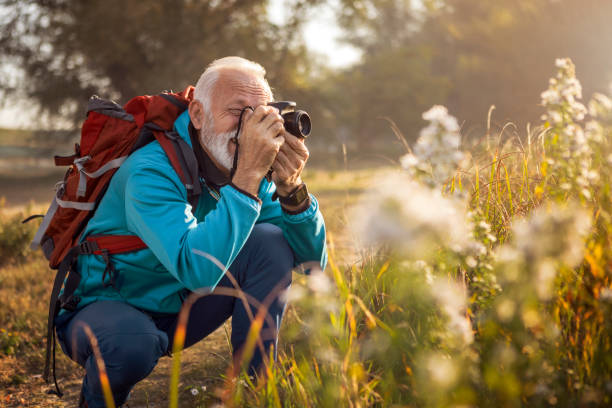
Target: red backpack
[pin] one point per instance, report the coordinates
(108, 136)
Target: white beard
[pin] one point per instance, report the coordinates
(218, 145)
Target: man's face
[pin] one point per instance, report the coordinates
(233, 91)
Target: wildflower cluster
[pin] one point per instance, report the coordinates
(436, 153)
(413, 218)
(562, 98)
(9, 342)
(15, 237)
(569, 147)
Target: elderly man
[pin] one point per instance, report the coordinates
(236, 223)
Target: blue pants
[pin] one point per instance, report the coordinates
(131, 341)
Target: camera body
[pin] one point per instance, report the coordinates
(297, 122)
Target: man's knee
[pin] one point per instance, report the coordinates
(129, 342)
(130, 358)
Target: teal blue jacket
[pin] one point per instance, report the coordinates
(146, 198)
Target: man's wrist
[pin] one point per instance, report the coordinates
(285, 189)
(297, 209)
(246, 182)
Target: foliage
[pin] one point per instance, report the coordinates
(70, 50)
(9, 341)
(467, 54)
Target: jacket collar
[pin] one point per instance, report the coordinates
(212, 175)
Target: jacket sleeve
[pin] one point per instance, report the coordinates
(305, 232)
(194, 253)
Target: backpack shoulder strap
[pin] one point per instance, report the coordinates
(161, 112)
(184, 162)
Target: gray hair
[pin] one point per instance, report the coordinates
(206, 83)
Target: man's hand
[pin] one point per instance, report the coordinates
(261, 138)
(289, 163)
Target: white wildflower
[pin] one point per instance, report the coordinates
(442, 370)
(600, 105)
(436, 152)
(606, 295)
(319, 282)
(452, 299)
(409, 216)
(562, 95)
(485, 226)
(550, 97)
(594, 132)
(555, 117)
(409, 162)
(555, 233)
(471, 261)
(531, 317)
(563, 63)
(421, 265)
(476, 249)
(327, 355)
(194, 391)
(571, 155)
(293, 294)
(505, 309)
(439, 114)
(545, 276)
(507, 254)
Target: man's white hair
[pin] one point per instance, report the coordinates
(204, 88)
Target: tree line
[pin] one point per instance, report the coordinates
(466, 54)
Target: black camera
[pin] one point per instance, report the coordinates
(297, 122)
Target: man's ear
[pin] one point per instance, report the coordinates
(196, 113)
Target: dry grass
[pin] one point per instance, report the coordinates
(24, 291)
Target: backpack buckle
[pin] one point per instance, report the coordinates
(70, 304)
(87, 247)
(171, 135)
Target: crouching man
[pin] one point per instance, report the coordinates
(237, 223)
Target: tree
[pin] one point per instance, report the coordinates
(469, 55)
(71, 49)
(503, 52)
(394, 80)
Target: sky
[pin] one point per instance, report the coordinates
(322, 36)
(322, 33)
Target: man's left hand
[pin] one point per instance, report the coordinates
(289, 164)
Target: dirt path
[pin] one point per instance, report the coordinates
(203, 366)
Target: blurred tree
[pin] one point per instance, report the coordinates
(503, 52)
(375, 24)
(391, 84)
(394, 79)
(467, 54)
(71, 49)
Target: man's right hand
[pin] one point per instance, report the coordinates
(261, 137)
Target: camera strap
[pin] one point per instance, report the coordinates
(235, 164)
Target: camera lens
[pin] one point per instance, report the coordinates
(297, 123)
(303, 121)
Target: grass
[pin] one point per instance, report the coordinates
(14, 137)
(25, 287)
